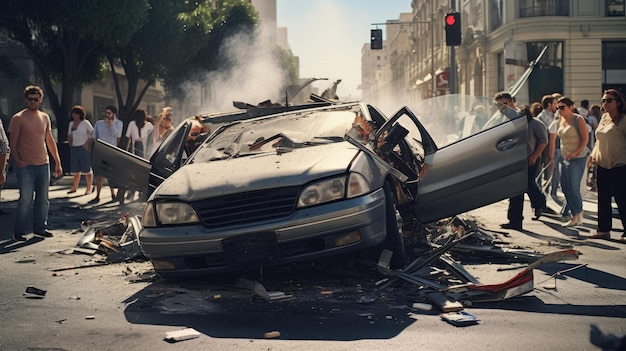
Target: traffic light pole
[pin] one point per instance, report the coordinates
(432, 48)
(452, 63)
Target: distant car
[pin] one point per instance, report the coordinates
(308, 184)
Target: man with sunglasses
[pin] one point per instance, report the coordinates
(537, 139)
(108, 130)
(30, 137)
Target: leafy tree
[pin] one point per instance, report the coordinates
(65, 39)
(179, 39)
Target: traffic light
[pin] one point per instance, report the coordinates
(453, 29)
(376, 42)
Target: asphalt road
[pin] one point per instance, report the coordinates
(333, 306)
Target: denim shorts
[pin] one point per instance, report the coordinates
(80, 160)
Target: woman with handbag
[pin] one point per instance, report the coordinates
(609, 155)
(574, 151)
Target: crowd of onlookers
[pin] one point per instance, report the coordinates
(574, 148)
(566, 143)
(30, 142)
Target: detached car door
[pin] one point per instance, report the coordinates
(466, 173)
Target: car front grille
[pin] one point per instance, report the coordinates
(247, 207)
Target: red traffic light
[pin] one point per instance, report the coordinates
(450, 19)
(453, 29)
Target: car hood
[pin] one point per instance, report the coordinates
(198, 181)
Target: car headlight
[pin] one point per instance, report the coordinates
(332, 189)
(166, 213)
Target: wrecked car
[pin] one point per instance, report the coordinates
(145, 175)
(319, 182)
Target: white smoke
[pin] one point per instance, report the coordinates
(254, 76)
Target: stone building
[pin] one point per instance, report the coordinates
(585, 40)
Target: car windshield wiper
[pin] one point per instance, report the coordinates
(282, 140)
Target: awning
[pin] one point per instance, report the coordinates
(442, 79)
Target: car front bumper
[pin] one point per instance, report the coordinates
(320, 231)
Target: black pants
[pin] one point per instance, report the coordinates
(611, 183)
(537, 199)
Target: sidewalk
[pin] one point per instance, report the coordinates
(66, 210)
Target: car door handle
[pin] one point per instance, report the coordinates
(507, 144)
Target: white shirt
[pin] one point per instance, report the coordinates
(81, 134)
(133, 132)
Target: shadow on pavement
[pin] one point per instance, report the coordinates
(221, 309)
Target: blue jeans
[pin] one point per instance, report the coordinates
(32, 180)
(572, 175)
(556, 175)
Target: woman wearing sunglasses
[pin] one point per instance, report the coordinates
(609, 155)
(572, 130)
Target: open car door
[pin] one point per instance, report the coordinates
(464, 172)
(121, 167)
(171, 154)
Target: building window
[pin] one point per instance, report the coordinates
(500, 60)
(613, 70)
(615, 8)
(496, 13)
(548, 76)
(536, 8)
(472, 14)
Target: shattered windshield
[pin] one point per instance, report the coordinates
(449, 118)
(281, 133)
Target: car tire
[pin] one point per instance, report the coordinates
(394, 240)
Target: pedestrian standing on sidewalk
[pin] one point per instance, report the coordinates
(162, 129)
(548, 116)
(80, 138)
(5, 151)
(137, 132)
(30, 138)
(536, 142)
(609, 155)
(108, 130)
(572, 130)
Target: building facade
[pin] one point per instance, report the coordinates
(585, 40)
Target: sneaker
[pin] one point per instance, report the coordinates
(19, 237)
(45, 234)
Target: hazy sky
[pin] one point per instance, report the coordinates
(327, 36)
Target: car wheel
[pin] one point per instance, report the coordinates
(394, 240)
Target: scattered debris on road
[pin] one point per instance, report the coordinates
(180, 335)
(460, 319)
(34, 293)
